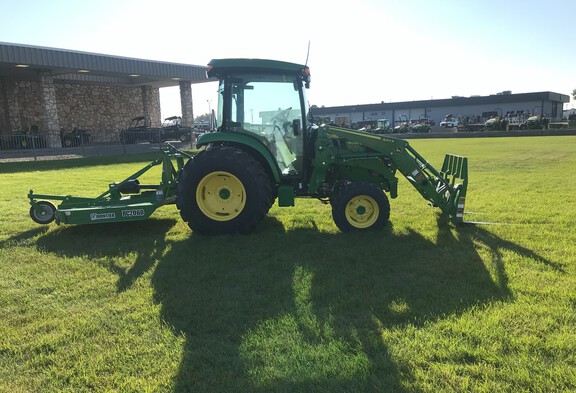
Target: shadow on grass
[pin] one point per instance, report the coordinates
(24, 237)
(301, 311)
(109, 244)
(298, 310)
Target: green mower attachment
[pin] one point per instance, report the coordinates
(127, 200)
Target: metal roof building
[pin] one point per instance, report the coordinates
(51, 89)
(547, 103)
(24, 62)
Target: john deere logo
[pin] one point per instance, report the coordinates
(102, 216)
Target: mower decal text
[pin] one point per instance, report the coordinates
(133, 213)
(102, 216)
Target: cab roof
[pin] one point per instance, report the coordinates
(225, 66)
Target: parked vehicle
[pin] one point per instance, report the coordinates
(380, 126)
(515, 120)
(77, 137)
(495, 124)
(403, 125)
(537, 122)
(23, 140)
(450, 121)
(172, 130)
(139, 130)
(421, 126)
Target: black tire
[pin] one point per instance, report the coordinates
(360, 206)
(223, 190)
(43, 213)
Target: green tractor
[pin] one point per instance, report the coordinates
(536, 122)
(267, 149)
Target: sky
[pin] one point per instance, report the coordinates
(361, 51)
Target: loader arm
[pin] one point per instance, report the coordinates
(378, 157)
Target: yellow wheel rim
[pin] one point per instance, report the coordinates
(362, 211)
(221, 196)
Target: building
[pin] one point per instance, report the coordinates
(479, 108)
(50, 90)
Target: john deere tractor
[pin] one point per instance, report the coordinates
(267, 149)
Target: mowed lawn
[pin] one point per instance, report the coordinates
(421, 306)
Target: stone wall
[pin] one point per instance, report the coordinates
(104, 110)
(24, 105)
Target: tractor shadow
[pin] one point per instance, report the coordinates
(290, 310)
(270, 322)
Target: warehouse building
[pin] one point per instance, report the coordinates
(476, 108)
(48, 90)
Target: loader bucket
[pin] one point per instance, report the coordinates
(455, 172)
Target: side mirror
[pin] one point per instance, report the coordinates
(296, 126)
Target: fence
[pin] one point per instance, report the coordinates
(42, 145)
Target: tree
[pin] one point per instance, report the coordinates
(574, 94)
(204, 117)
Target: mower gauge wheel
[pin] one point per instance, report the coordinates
(43, 213)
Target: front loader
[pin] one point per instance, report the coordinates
(267, 149)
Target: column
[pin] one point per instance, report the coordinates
(186, 103)
(11, 109)
(50, 108)
(151, 104)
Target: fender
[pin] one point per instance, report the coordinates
(248, 140)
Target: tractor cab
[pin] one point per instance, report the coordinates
(266, 101)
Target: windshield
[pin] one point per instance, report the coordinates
(268, 106)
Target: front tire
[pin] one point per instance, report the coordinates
(223, 190)
(360, 206)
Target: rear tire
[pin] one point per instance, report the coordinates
(223, 190)
(360, 206)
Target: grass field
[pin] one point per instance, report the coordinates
(421, 306)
